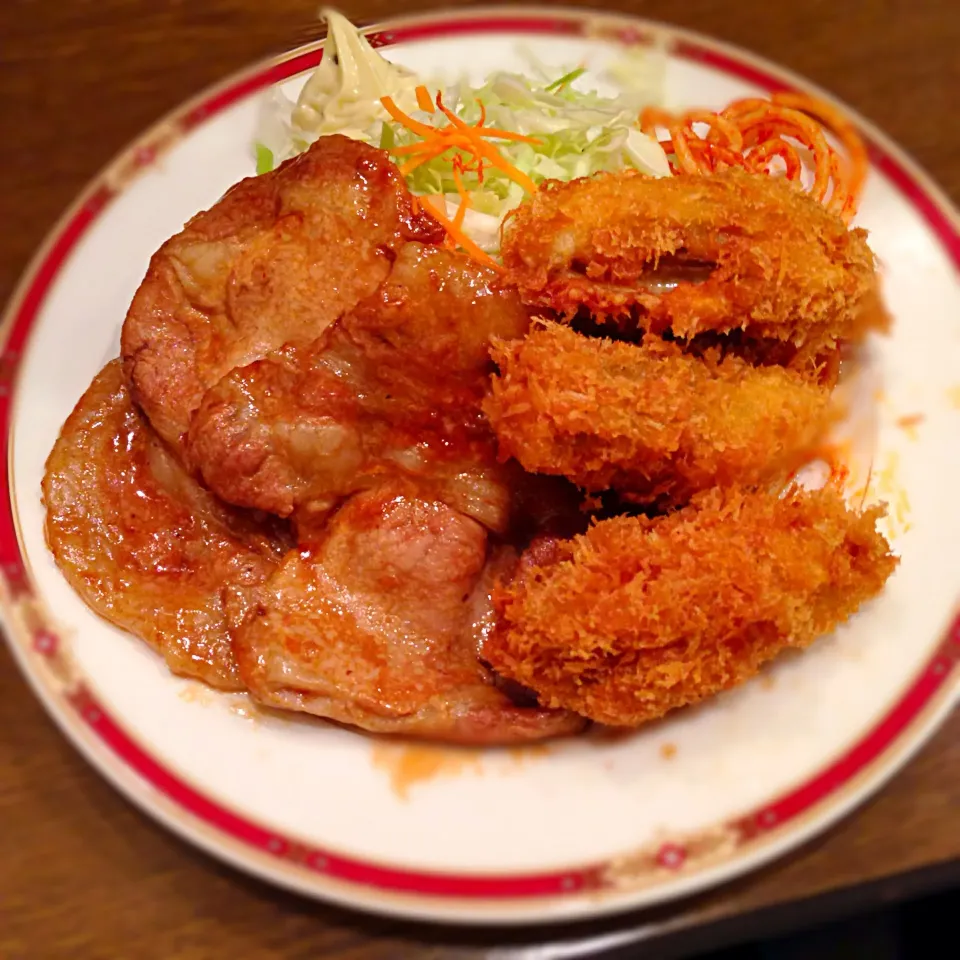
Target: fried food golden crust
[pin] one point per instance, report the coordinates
(638, 617)
(273, 262)
(649, 420)
(815, 362)
(374, 626)
(695, 253)
(394, 386)
(142, 543)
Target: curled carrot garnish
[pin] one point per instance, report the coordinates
(752, 133)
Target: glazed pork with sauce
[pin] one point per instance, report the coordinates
(395, 386)
(378, 625)
(277, 260)
(144, 544)
(362, 476)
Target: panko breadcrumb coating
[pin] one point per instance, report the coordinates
(638, 617)
(649, 420)
(691, 254)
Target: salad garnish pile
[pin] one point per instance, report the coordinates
(472, 153)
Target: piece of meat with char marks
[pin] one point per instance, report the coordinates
(395, 386)
(377, 626)
(276, 260)
(142, 543)
(688, 254)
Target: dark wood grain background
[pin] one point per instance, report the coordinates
(83, 875)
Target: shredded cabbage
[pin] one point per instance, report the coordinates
(579, 131)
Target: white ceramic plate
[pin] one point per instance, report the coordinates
(568, 830)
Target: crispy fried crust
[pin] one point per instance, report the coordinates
(649, 420)
(274, 261)
(744, 250)
(638, 617)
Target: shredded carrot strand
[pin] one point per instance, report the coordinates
(490, 153)
(476, 152)
(423, 156)
(464, 200)
(462, 135)
(427, 145)
(449, 114)
(497, 134)
(424, 102)
(468, 130)
(425, 130)
(465, 242)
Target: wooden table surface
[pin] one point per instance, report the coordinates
(82, 874)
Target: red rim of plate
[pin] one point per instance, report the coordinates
(670, 857)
